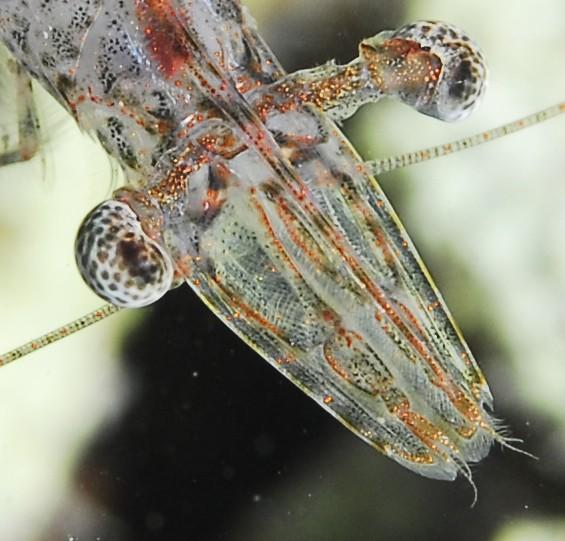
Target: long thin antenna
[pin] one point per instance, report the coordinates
(59, 334)
(385, 165)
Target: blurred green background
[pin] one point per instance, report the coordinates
(489, 223)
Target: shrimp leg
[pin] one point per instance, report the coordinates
(19, 124)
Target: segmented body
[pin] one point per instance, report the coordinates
(266, 211)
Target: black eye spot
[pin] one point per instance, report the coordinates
(130, 251)
(460, 76)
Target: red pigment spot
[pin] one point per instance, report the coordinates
(166, 38)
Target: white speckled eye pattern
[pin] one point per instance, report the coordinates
(118, 260)
(464, 72)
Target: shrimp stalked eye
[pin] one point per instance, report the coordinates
(118, 260)
(434, 67)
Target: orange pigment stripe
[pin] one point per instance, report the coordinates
(248, 312)
(276, 242)
(297, 237)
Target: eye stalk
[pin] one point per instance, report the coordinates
(434, 67)
(118, 260)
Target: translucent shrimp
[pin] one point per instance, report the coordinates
(240, 184)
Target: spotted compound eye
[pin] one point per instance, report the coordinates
(433, 67)
(118, 260)
(463, 74)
